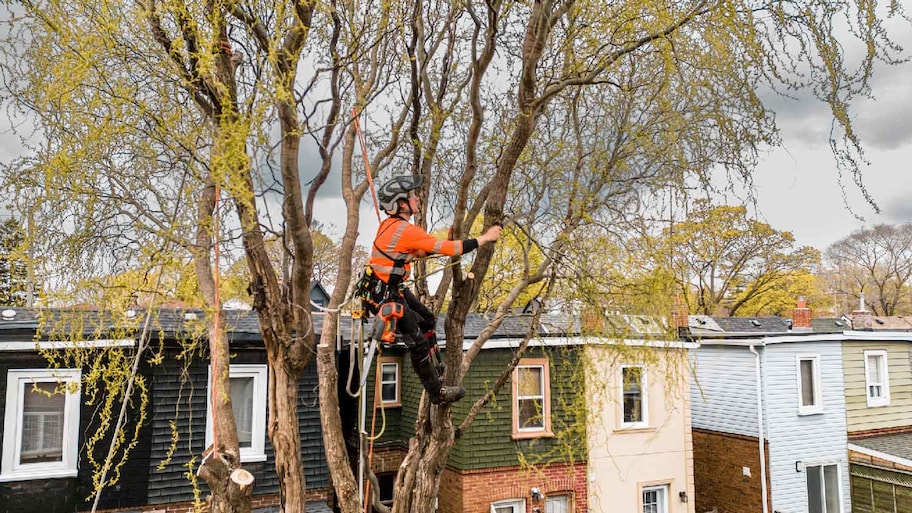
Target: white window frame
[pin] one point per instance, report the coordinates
(383, 403)
(666, 492)
(544, 430)
(817, 407)
(259, 373)
(884, 399)
(518, 505)
(644, 393)
(823, 483)
(16, 382)
(559, 495)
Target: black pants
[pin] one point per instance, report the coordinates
(415, 326)
(417, 320)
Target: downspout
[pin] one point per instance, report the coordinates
(763, 490)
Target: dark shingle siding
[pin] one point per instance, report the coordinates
(69, 494)
(184, 403)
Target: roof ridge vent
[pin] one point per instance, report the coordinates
(8, 314)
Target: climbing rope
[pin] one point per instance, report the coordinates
(367, 169)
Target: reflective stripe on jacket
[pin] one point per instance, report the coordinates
(400, 239)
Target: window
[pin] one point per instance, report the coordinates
(510, 506)
(635, 404)
(248, 400)
(531, 399)
(557, 504)
(41, 425)
(809, 400)
(877, 378)
(823, 489)
(655, 499)
(388, 380)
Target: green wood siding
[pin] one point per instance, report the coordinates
(489, 442)
(861, 417)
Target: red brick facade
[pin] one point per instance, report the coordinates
(473, 491)
(719, 477)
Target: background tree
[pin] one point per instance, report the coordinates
(14, 274)
(876, 262)
(723, 260)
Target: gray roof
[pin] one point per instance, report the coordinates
(754, 324)
(829, 325)
(240, 324)
(516, 325)
(896, 444)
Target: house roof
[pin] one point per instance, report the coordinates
(564, 325)
(891, 323)
(895, 447)
(829, 325)
(753, 324)
(172, 322)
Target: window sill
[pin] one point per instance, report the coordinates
(878, 403)
(253, 458)
(634, 429)
(533, 434)
(27, 475)
(805, 413)
(390, 405)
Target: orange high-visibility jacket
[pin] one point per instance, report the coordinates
(399, 239)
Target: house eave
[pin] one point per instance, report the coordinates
(31, 345)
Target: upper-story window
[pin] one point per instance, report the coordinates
(877, 377)
(388, 382)
(248, 401)
(41, 424)
(531, 399)
(635, 402)
(810, 398)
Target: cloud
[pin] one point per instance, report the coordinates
(897, 210)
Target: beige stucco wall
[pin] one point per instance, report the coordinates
(860, 416)
(622, 461)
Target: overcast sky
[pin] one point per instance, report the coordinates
(796, 186)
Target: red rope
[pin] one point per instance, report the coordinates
(367, 169)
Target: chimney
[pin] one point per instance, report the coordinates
(592, 319)
(862, 320)
(801, 316)
(680, 318)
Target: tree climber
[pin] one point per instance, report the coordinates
(397, 243)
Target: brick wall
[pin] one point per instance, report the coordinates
(719, 460)
(857, 457)
(473, 491)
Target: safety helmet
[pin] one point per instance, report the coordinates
(397, 189)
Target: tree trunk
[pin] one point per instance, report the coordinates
(418, 480)
(331, 421)
(222, 460)
(284, 433)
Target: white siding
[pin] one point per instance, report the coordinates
(818, 439)
(724, 391)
